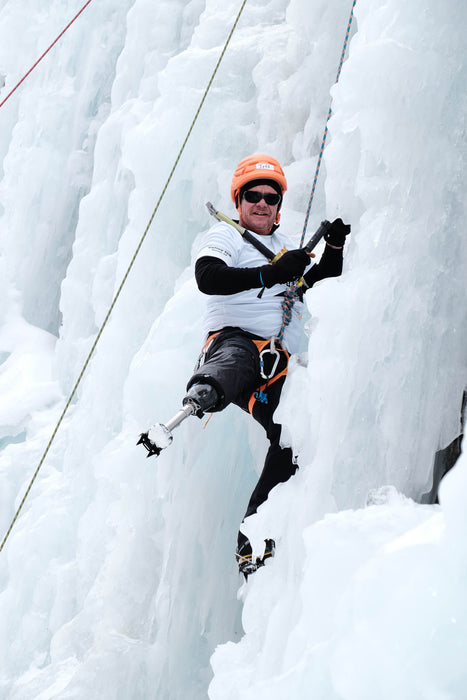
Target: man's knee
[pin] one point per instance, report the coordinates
(231, 366)
(205, 394)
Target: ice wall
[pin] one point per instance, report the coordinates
(118, 580)
(48, 136)
(372, 598)
(396, 320)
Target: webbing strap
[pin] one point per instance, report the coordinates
(260, 389)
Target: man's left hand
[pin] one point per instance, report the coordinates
(336, 233)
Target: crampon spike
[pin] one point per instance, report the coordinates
(149, 445)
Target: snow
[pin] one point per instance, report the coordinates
(118, 579)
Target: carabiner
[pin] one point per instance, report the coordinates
(273, 351)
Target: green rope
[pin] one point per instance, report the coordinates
(119, 290)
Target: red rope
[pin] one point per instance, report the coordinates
(45, 53)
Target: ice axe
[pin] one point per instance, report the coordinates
(272, 257)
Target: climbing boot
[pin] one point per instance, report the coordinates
(246, 565)
(269, 551)
(244, 556)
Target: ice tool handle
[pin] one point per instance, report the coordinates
(248, 236)
(317, 236)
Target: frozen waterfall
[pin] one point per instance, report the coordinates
(118, 580)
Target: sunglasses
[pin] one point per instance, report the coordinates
(271, 198)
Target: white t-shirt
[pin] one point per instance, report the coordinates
(261, 316)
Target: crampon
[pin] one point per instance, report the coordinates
(247, 566)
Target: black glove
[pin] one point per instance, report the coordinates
(336, 233)
(288, 268)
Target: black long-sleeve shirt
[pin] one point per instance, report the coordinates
(214, 276)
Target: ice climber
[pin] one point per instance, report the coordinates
(242, 361)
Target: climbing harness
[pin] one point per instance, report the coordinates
(206, 346)
(45, 54)
(125, 277)
(265, 347)
(270, 353)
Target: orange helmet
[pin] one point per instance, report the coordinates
(256, 167)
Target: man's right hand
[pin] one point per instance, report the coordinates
(288, 268)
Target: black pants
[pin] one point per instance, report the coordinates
(231, 365)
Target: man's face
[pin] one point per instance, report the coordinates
(260, 216)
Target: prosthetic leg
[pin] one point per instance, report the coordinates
(200, 398)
